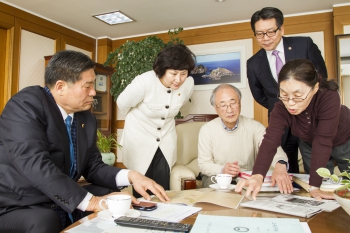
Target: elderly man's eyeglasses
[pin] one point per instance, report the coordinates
(223, 107)
(295, 100)
(271, 33)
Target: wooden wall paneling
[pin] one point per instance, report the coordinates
(7, 23)
(3, 65)
(88, 46)
(17, 13)
(21, 19)
(104, 47)
(6, 20)
(341, 18)
(34, 28)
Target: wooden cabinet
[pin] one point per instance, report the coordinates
(102, 107)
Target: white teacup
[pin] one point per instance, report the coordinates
(117, 205)
(223, 180)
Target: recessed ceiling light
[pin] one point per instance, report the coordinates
(114, 18)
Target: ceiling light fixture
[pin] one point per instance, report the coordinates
(220, 0)
(113, 18)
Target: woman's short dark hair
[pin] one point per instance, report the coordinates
(67, 65)
(304, 71)
(267, 13)
(176, 57)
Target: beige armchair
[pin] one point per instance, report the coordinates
(186, 165)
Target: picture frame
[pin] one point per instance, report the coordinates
(101, 82)
(217, 63)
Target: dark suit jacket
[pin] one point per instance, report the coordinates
(34, 154)
(261, 82)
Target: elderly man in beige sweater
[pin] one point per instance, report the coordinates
(230, 143)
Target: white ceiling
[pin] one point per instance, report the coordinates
(154, 16)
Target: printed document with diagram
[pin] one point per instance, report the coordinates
(225, 224)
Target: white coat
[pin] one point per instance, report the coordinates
(150, 108)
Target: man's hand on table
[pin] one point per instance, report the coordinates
(254, 184)
(142, 183)
(282, 178)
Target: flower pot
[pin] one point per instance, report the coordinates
(342, 195)
(108, 158)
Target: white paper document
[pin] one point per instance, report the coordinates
(170, 212)
(120, 229)
(223, 224)
(326, 205)
(95, 225)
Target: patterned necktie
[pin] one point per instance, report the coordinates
(279, 63)
(68, 122)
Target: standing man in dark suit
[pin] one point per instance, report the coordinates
(47, 142)
(264, 66)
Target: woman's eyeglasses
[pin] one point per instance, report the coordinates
(297, 99)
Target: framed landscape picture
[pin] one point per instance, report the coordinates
(218, 63)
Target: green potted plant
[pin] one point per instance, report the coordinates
(134, 58)
(105, 144)
(341, 194)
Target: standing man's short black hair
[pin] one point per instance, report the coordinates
(267, 13)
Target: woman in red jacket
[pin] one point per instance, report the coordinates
(312, 109)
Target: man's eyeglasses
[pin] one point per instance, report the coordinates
(295, 100)
(223, 107)
(260, 35)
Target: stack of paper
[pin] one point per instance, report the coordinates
(170, 212)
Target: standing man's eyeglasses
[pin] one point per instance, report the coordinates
(260, 35)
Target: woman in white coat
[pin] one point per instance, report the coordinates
(150, 103)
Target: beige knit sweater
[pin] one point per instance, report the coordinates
(216, 146)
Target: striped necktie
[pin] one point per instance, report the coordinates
(279, 63)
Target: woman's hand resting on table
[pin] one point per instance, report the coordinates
(319, 195)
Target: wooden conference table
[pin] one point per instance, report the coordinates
(337, 221)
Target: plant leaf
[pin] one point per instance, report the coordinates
(323, 172)
(335, 178)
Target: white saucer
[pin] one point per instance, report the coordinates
(105, 214)
(217, 188)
